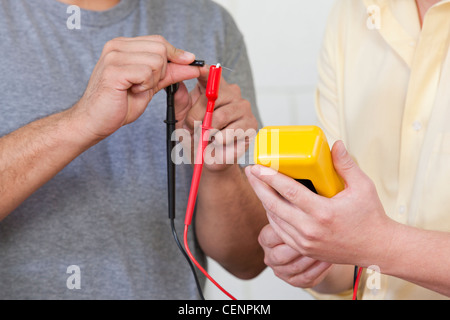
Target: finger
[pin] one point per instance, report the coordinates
(124, 77)
(345, 166)
(269, 238)
(155, 61)
(286, 231)
(270, 199)
(204, 75)
(197, 111)
(226, 115)
(182, 102)
(299, 265)
(281, 255)
(284, 218)
(177, 73)
(241, 130)
(288, 188)
(311, 276)
(175, 54)
(156, 44)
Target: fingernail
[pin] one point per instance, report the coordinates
(259, 171)
(188, 56)
(256, 170)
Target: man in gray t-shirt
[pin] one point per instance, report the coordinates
(83, 198)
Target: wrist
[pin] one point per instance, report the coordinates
(77, 129)
(381, 251)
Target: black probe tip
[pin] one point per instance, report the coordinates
(198, 63)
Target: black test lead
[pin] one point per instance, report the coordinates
(170, 123)
(198, 63)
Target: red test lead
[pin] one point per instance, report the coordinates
(212, 93)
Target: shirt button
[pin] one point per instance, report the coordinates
(417, 126)
(402, 209)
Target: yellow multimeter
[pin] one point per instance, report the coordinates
(302, 153)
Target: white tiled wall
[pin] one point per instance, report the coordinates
(283, 39)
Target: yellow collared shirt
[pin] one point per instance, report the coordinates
(384, 89)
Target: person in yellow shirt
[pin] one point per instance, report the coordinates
(384, 92)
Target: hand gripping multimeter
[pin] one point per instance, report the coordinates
(302, 153)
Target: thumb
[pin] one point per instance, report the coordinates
(177, 73)
(344, 164)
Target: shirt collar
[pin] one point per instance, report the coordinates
(400, 32)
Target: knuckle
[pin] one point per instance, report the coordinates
(158, 38)
(279, 258)
(348, 164)
(190, 122)
(160, 49)
(305, 240)
(307, 280)
(325, 218)
(262, 239)
(271, 205)
(265, 237)
(219, 119)
(309, 236)
(291, 193)
(246, 107)
(235, 89)
(267, 261)
(111, 56)
(110, 45)
(148, 72)
(246, 103)
(160, 61)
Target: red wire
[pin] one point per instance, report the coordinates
(200, 267)
(358, 278)
(212, 91)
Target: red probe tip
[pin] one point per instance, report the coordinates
(212, 88)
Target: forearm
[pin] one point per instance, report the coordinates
(32, 155)
(415, 255)
(418, 256)
(228, 221)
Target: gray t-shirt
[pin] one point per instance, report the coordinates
(106, 212)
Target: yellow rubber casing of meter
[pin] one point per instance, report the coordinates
(302, 153)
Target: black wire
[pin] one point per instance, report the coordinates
(170, 122)
(175, 236)
(355, 277)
